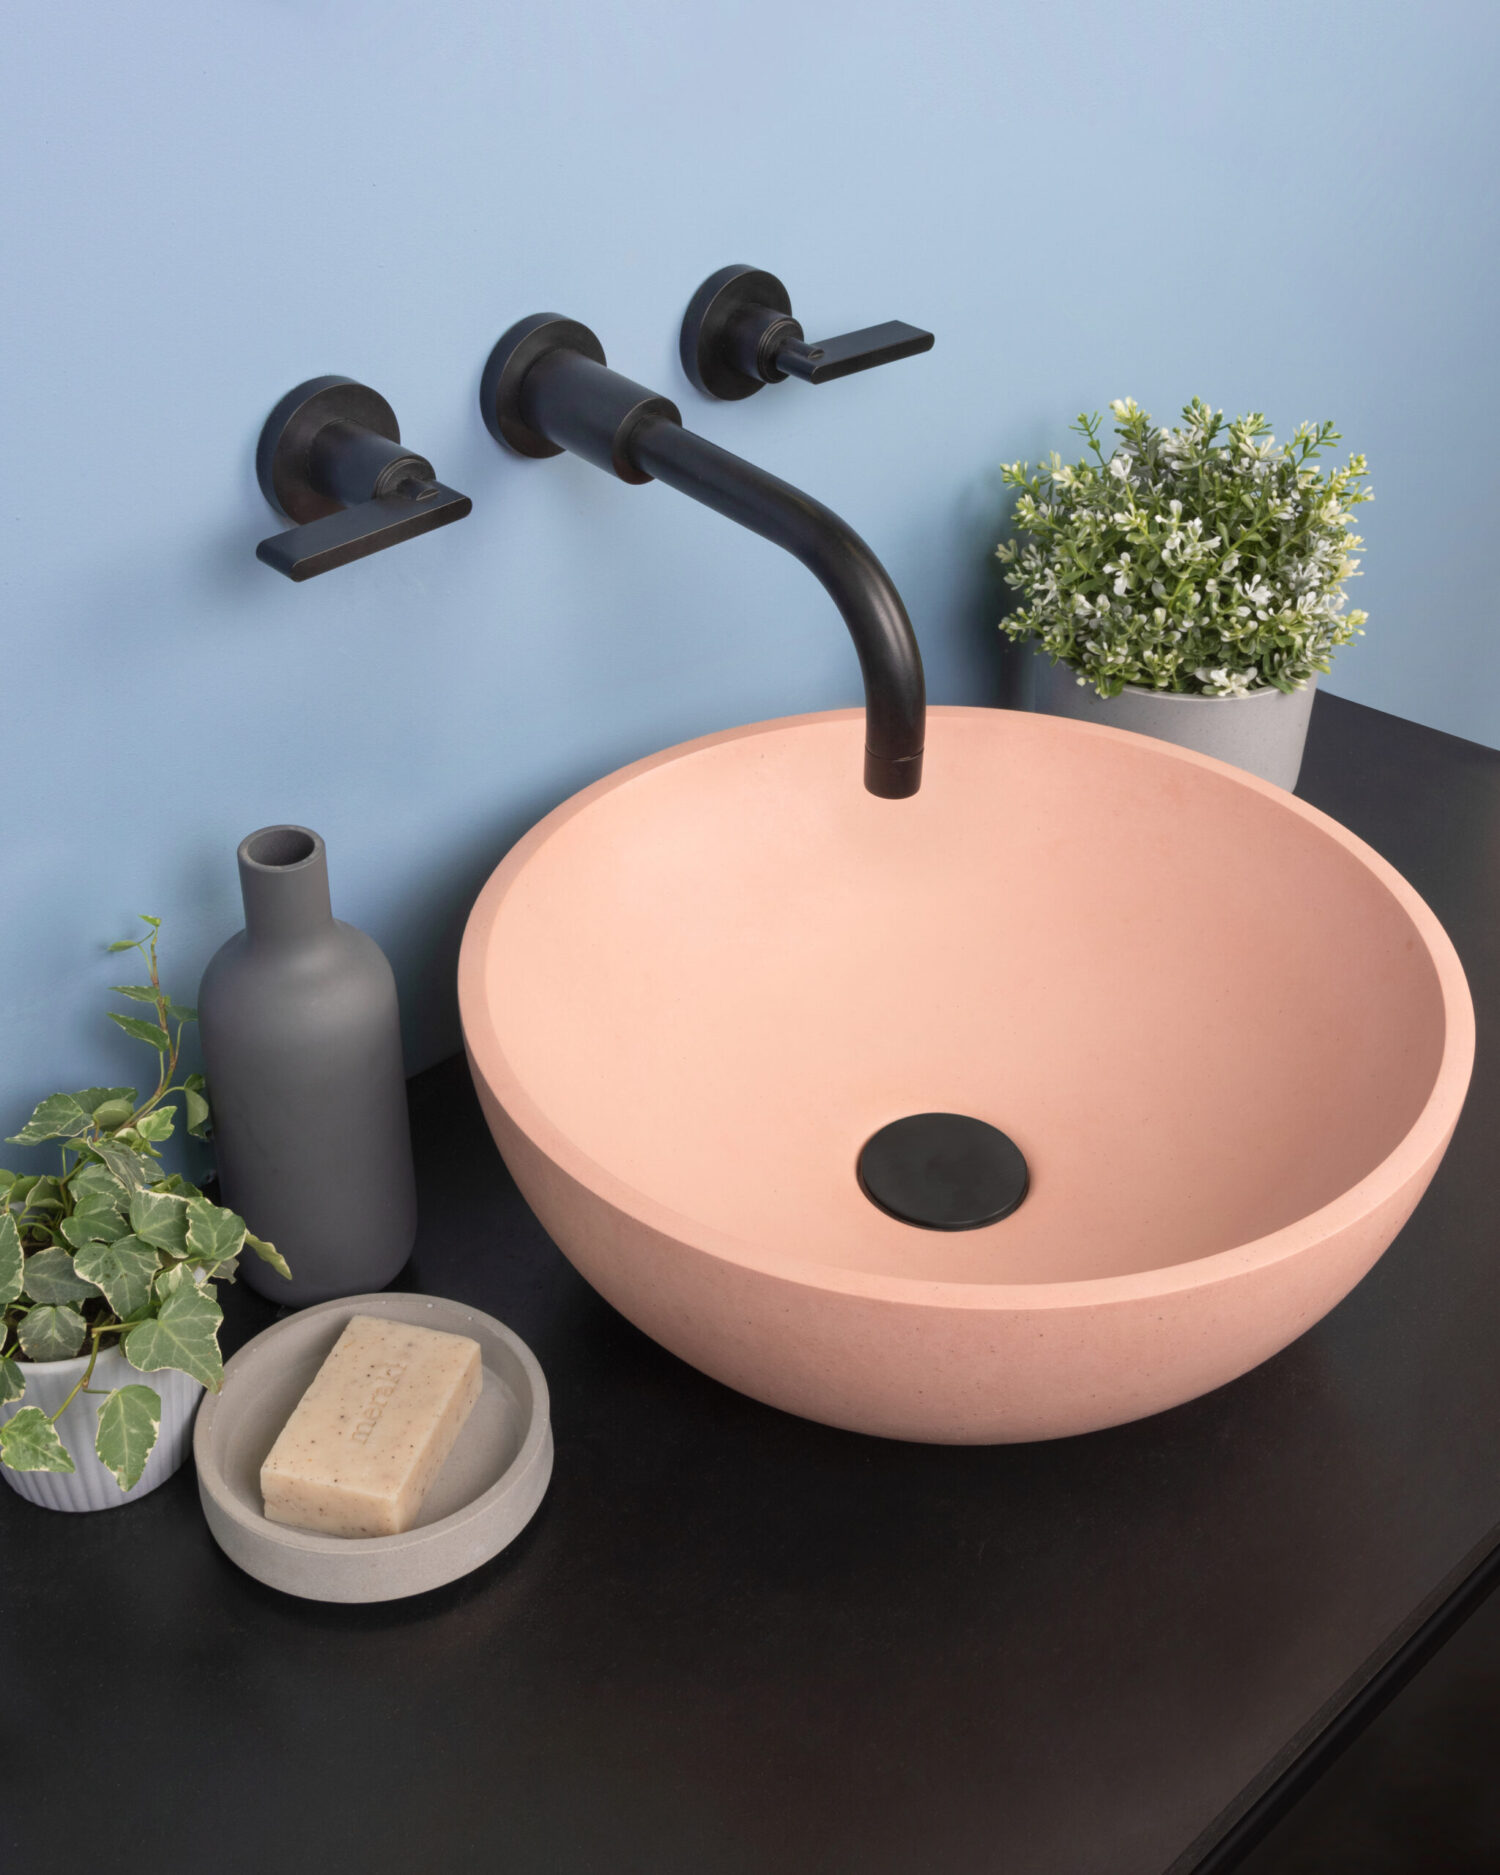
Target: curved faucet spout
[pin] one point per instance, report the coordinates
(895, 693)
(547, 388)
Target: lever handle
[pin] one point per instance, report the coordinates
(855, 351)
(367, 527)
(738, 334)
(331, 459)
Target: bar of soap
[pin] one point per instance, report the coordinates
(369, 1436)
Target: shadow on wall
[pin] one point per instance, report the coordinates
(980, 596)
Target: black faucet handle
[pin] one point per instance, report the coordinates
(331, 459)
(738, 334)
(367, 527)
(855, 351)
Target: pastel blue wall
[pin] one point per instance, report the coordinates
(1273, 205)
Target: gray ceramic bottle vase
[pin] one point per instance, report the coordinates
(302, 1049)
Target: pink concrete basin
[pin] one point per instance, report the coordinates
(1231, 1041)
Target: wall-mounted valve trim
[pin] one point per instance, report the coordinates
(331, 459)
(547, 388)
(738, 334)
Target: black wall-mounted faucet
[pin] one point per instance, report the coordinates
(738, 335)
(546, 388)
(331, 458)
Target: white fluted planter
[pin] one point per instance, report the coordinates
(92, 1486)
(1263, 732)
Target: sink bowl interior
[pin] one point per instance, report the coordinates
(1202, 1010)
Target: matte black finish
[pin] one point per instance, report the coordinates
(738, 335)
(943, 1171)
(1409, 1785)
(1276, 1816)
(736, 1643)
(330, 457)
(302, 1045)
(547, 387)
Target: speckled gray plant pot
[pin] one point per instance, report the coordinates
(1263, 732)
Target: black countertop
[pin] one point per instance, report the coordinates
(738, 1643)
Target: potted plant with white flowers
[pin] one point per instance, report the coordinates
(1188, 585)
(107, 1272)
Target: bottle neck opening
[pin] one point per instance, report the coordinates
(284, 883)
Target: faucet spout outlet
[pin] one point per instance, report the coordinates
(547, 388)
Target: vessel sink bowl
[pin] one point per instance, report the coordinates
(1230, 1040)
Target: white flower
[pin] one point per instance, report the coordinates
(1218, 681)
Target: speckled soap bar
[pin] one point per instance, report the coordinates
(366, 1440)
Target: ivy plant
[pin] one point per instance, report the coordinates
(1207, 560)
(110, 1250)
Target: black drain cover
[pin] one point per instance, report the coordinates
(944, 1171)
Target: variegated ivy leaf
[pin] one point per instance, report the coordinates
(49, 1276)
(123, 1270)
(143, 1031)
(174, 1185)
(113, 1113)
(160, 1218)
(176, 1276)
(42, 1194)
(130, 1168)
(93, 1223)
(132, 1138)
(213, 1233)
(91, 1182)
(268, 1253)
(128, 1423)
(50, 1332)
(137, 992)
(184, 1335)
(11, 1260)
(12, 1380)
(29, 1442)
(158, 1125)
(199, 1117)
(63, 1116)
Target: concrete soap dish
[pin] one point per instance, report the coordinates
(486, 1494)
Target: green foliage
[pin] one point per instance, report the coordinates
(29, 1442)
(268, 1253)
(184, 1333)
(123, 1270)
(10, 1259)
(159, 1218)
(128, 1423)
(51, 1277)
(1205, 560)
(110, 1246)
(61, 1116)
(50, 1331)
